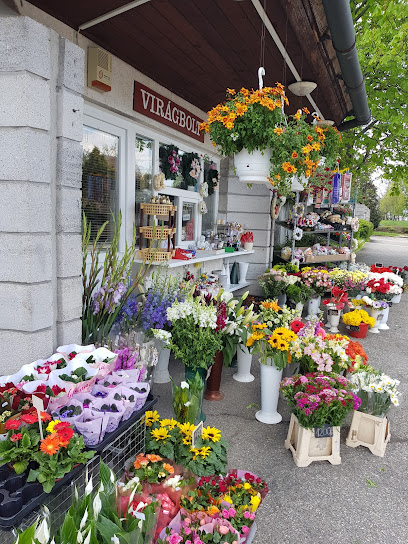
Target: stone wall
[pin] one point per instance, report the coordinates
(41, 113)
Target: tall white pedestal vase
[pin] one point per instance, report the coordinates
(299, 307)
(383, 323)
(333, 318)
(396, 299)
(244, 361)
(313, 307)
(161, 372)
(270, 381)
(377, 315)
(243, 269)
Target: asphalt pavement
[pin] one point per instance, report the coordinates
(362, 501)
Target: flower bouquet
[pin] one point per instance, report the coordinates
(352, 282)
(272, 345)
(319, 281)
(275, 282)
(376, 390)
(358, 357)
(317, 399)
(187, 399)
(275, 316)
(200, 528)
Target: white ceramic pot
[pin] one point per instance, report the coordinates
(270, 381)
(161, 372)
(299, 307)
(383, 323)
(333, 318)
(396, 298)
(375, 314)
(243, 269)
(313, 307)
(282, 299)
(253, 167)
(244, 359)
(248, 246)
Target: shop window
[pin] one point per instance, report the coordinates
(143, 174)
(188, 222)
(100, 180)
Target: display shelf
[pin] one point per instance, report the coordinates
(202, 256)
(236, 286)
(323, 232)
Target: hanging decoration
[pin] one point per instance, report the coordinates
(170, 162)
(158, 182)
(191, 168)
(212, 178)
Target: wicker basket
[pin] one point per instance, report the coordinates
(158, 234)
(157, 209)
(155, 255)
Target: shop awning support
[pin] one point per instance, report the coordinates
(111, 14)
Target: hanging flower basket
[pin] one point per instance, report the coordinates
(253, 166)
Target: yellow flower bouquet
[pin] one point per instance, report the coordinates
(271, 345)
(356, 317)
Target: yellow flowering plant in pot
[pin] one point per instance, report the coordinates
(173, 440)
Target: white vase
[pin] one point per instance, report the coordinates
(375, 314)
(270, 381)
(248, 246)
(254, 166)
(244, 360)
(282, 299)
(333, 317)
(299, 307)
(383, 324)
(396, 298)
(313, 307)
(161, 372)
(243, 269)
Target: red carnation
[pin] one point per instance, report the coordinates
(15, 437)
(12, 424)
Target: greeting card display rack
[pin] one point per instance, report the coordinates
(167, 213)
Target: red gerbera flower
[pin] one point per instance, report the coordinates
(15, 437)
(296, 325)
(29, 418)
(12, 424)
(65, 436)
(61, 426)
(45, 416)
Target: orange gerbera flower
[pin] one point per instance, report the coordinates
(50, 444)
(45, 416)
(168, 467)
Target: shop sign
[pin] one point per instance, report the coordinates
(162, 109)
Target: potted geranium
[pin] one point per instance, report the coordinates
(317, 401)
(357, 322)
(369, 426)
(273, 347)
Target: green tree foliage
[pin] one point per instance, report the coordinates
(393, 204)
(366, 193)
(382, 36)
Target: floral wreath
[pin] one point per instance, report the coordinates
(191, 168)
(297, 233)
(212, 178)
(355, 224)
(169, 161)
(298, 210)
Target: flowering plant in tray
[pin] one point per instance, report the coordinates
(317, 399)
(318, 280)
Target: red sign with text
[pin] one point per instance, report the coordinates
(163, 110)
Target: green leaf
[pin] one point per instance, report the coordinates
(20, 466)
(68, 531)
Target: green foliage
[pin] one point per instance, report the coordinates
(187, 399)
(298, 292)
(20, 453)
(393, 204)
(382, 34)
(365, 230)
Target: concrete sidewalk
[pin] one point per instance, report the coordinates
(323, 504)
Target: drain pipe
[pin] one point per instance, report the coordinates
(340, 21)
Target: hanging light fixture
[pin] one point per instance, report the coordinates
(302, 88)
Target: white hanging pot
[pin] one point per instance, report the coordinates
(270, 381)
(383, 324)
(244, 360)
(296, 185)
(254, 166)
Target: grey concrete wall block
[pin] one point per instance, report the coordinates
(71, 66)
(27, 157)
(19, 348)
(68, 211)
(25, 207)
(256, 204)
(69, 332)
(26, 307)
(250, 220)
(238, 188)
(25, 258)
(24, 45)
(69, 255)
(69, 298)
(70, 115)
(69, 163)
(25, 100)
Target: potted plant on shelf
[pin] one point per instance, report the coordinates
(273, 347)
(369, 426)
(247, 239)
(357, 323)
(320, 402)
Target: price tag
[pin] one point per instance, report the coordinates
(380, 317)
(353, 328)
(379, 265)
(333, 312)
(39, 406)
(198, 431)
(326, 431)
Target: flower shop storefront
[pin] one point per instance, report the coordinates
(146, 236)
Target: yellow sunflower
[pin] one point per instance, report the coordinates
(205, 451)
(186, 428)
(195, 452)
(160, 434)
(211, 433)
(170, 423)
(151, 417)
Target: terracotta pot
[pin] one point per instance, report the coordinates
(212, 391)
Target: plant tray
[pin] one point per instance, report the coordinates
(156, 255)
(18, 497)
(156, 232)
(158, 209)
(370, 431)
(110, 437)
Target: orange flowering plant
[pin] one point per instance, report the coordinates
(247, 119)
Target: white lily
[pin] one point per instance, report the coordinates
(115, 540)
(80, 538)
(89, 487)
(83, 520)
(97, 505)
(184, 385)
(88, 538)
(42, 534)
